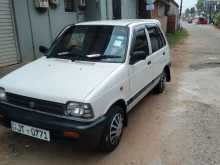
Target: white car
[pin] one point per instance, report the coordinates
(93, 74)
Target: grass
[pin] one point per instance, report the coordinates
(175, 38)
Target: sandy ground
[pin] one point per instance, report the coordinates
(179, 127)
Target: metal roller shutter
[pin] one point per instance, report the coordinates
(8, 51)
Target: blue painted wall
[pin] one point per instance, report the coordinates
(35, 29)
(23, 30)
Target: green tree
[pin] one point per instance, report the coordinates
(193, 11)
(187, 12)
(200, 5)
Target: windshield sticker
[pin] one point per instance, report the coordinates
(120, 37)
(117, 43)
(63, 53)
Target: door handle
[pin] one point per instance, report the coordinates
(164, 53)
(149, 63)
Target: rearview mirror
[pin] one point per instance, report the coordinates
(43, 49)
(137, 56)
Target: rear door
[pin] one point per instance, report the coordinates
(140, 73)
(158, 47)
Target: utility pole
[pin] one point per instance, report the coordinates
(181, 8)
(180, 15)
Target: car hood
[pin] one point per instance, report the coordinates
(57, 80)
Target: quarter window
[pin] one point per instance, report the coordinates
(162, 37)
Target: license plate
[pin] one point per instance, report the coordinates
(30, 131)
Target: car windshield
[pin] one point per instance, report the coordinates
(92, 43)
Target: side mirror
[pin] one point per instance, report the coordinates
(43, 49)
(137, 56)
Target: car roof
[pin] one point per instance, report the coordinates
(122, 22)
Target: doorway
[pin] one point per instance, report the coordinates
(116, 7)
(142, 12)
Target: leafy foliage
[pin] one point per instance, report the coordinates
(193, 11)
(187, 12)
(190, 12)
(177, 37)
(217, 19)
(200, 5)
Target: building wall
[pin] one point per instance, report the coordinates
(23, 30)
(93, 10)
(35, 28)
(40, 28)
(163, 21)
(102, 9)
(159, 14)
(59, 19)
(163, 16)
(174, 11)
(109, 13)
(129, 9)
(161, 10)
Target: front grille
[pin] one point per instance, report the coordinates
(36, 104)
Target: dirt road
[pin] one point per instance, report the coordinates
(179, 127)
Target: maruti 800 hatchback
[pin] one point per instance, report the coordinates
(92, 75)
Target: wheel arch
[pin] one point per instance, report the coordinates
(168, 72)
(121, 103)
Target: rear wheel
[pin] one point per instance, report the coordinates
(114, 130)
(162, 84)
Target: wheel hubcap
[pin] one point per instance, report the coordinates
(116, 129)
(163, 81)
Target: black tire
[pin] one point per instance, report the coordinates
(108, 143)
(161, 85)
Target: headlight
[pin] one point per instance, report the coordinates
(79, 110)
(2, 94)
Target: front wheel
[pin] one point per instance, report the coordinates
(114, 130)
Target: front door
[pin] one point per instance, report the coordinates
(140, 73)
(116, 7)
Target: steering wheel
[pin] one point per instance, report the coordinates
(76, 49)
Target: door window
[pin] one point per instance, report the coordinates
(141, 42)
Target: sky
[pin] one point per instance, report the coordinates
(187, 3)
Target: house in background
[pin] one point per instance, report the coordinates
(173, 23)
(167, 11)
(211, 8)
(27, 24)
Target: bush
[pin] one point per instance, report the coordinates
(175, 38)
(217, 19)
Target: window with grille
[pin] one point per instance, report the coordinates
(69, 5)
(83, 2)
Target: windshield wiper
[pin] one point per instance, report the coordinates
(68, 55)
(74, 56)
(64, 53)
(99, 56)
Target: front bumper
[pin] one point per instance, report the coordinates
(90, 132)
